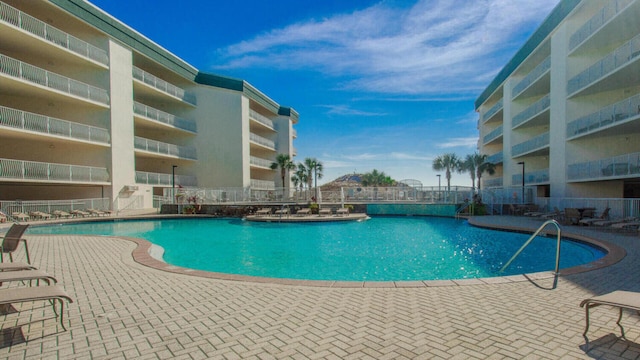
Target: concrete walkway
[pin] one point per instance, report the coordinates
(124, 309)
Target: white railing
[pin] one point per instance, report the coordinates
(613, 167)
(263, 184)
(185, 152)
(32, 170)
(261, 118)
(294, 133)
(616, 59)
(618, 112)
(532, 144)
(494, 134)
(163, 117)
(45, 31)
(43, 124)
(163, 86)
(253, 160)
(618, 208)
(50, 206)
(150, 178)
(24, 71)
(533, 110)
(495, 182)
(133, 202)
(496, 158)
(262, 141)
(493, 110)
(532, 177)
(600, 18)
(534, 75)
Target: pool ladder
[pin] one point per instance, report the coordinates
(555, 223)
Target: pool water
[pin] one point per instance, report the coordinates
(381, 249)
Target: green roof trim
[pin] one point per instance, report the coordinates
(558, 14)
(287, 111)
(219, 81)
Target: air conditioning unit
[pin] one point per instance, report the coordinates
(130, 188)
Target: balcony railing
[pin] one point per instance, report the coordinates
(18, 119)
(150, 178)
(530, 178)
(533, 110)
(185, 152)
(489, 183)
(262, 184)
(163, 86)
(496, 158)
(261, 118)
(493, 110)
(163, 117)
(617, 112)
(294, 133)
(253, 160)
(262, 141)
(532, 144)
(597, 21)
(45, 31)
(616, 59)
(32, 170)
(613, 167)
(534, 75)
(21, 70)
(494, 134)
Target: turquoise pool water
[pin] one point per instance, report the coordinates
(381, 249)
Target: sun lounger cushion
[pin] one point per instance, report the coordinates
(25, 275)
(15, 266)
(37, 293)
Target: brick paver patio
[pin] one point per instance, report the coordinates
(124, 309)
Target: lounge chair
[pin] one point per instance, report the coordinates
(16, 266)
(620, 299)
(612, 222)
(39, 215)
(26, 275)
(303, 212)
(61, 214)
(572, 216)
(37, 293)
(342, 211)
(97, 212)
(20, 216)
(3, 217)
(79, 213)
(325, 211)
(12, 239)
(263, 211)
(603, 217)
(283, 211)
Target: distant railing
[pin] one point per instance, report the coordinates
(261, 118)
(597, 21)
(143, 177)
(534, 75)
(619, 208)
(532, 177)
(616, 59)
(496, 158)
(43, 124)
(163, 117)
(613, 167)
(21, 70)
(253, 160)
(49, 206)
(32, 170)
(45, 31)
(617, 112)
(531, 111)
(163, 86)
(493, 110)
(532, 144)
(494, 134)
(262, 141)
(263, 184)
(185, 152)
(495, 182)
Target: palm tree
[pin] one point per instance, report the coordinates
(376, 178)
(283, 161)
(484, 166)
(301, 174)
(472, 163)
(448, 162)
(314, 167)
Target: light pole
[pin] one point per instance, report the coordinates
(439, 177)
(522, 163)
(173, 182)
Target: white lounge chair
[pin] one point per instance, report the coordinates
(620, 299)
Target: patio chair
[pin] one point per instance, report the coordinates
(620, 299)
(283, 211)
(20, 216)
(26, 275)
(37, 293)
(263, 211)
(39, 215)
(80, 213)
(61, 214)
(572, 216)
(325, 212)
(97, 212)
(303, 212)
(12, 239)
(603, 217)
(342, 211)
(16, 266)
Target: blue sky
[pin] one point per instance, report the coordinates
(385, 85)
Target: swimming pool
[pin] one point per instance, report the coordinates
(381, 249)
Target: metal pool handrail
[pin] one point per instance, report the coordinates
(531, 239)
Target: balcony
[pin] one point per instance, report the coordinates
(492, 111)
(494, 134)
(622, 166)
(163, 117)
(532, 77)
(531, 178)
(22, 120)
(163, 86)
(622, 56)
(259, 162)
(532, 112)
(611, 9)
(150, 178)
(157, 147)
(618, 113)
(262, 185)
(532, 145)
(496, 158)
(49, 172)
(254, 115)
(264, 142)
(294, 133)
(492, 183)
(20, 70)
(51, 34)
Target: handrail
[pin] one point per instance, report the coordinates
(531, 239)
(467, 205)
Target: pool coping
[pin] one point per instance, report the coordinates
(142, 255)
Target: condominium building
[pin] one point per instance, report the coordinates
(565, 110)
(90, 108)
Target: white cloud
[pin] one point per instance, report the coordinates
(458, 142)
(347, 110)
(433, 46)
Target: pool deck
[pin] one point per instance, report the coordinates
(124, 308)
